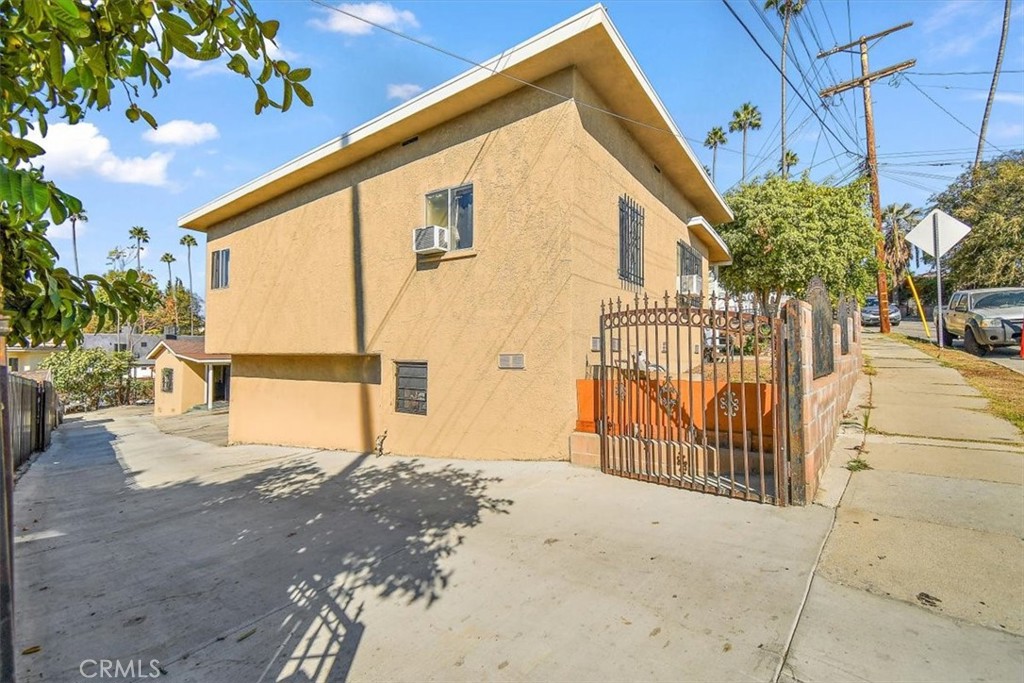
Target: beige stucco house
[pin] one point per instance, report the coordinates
(186, 376)
(339, 332)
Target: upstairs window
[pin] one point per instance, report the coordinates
(220, 268)
(13, 364)
(631, 242)
(167, 380)
(690, 260)
(453, 209)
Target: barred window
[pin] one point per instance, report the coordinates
(167, 380)
(631, 241)
(690, 260)
(411, 388)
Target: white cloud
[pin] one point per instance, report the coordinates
(81, 149)
(1004, 97)
(1004, 131)
(403, 91)
(948, 13)
(381, 13)
(182, 132)
(984, 21)
(278, 51)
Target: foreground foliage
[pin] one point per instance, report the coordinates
(67, 57)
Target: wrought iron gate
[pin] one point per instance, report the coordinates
(689, 396)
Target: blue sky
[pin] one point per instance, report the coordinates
(695, 53)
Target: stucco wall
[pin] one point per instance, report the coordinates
(610, 163)
(327, 271)
(189, 387)
(28, 359)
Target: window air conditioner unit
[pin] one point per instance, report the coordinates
(689, 284)
(433, 239)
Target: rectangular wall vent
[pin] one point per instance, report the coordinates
(595, 343)
(511, 361)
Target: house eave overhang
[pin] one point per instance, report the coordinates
(718, 250)
(588, 41)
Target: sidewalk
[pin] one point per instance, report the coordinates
(922, 576)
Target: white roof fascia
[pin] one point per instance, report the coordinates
(531, 47)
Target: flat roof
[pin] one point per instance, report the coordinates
(589, 41)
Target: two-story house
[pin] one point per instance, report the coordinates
(558, 180)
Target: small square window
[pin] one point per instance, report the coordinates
(167, 380)
(144, 344)
(411, 388)
(13, 364)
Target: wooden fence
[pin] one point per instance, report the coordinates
(33, 416)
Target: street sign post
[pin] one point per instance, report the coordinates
(935, 235)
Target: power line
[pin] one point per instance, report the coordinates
(950, 114)
(964, 73)
(769, 58)
(453, 55)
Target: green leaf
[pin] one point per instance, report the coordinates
(269, 28)
(56, 62)
(303, 95)
(174, 23)
(238, 64)
(286, 103)
(297, 75)
(148, 118)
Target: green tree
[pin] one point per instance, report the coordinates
(89, 376)
(787, 9)
(990, 199)
(716, 138)
(188, 241)
(141, 236)
(69, 57)
(789, 160)
(168, 258)
(787, 231)
(76, 217)
(747, 117)
(897, 221)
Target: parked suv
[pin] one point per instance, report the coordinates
(985, 318)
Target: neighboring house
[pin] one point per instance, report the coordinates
(339, 332)
(24, 359)
(187, 376)
(28, 359)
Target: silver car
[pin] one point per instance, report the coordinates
(985, 318)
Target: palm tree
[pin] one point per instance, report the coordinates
(897, 221)
(77, 217)
(747, 117)
(715, 138)
(786, 10)
(188, 241)
(141, 236)
(995, 83)
(168, 258)
(789, 160)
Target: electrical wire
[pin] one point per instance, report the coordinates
(951, 114)
(777, 68)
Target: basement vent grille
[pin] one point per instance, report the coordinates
(410, 140)
(511, 361)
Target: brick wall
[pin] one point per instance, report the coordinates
(816, 405)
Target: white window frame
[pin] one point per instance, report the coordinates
(451, 212)
(220, 269)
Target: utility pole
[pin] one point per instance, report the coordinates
(864, 82)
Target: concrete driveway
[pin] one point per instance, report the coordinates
(279, 564)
